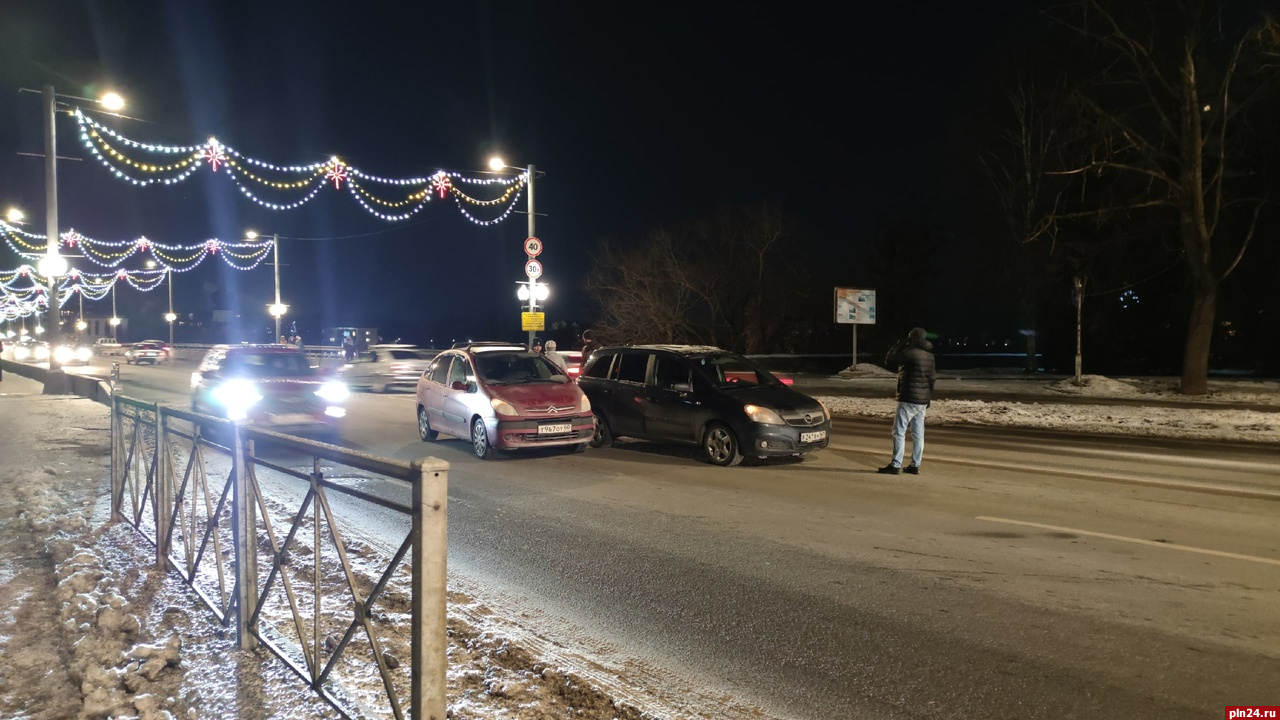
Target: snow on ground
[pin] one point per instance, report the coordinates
(1215, 417)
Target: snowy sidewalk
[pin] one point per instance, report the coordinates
(89, 628)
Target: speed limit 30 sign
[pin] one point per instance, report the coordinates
(533, 269)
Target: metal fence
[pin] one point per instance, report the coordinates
(189, 484)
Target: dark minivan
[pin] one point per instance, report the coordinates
(705, 396)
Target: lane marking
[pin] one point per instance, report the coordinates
(1138, 541)
(1232, 491)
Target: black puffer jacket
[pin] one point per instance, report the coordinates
(916, 370)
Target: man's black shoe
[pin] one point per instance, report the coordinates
(889, 469)
(911, 469)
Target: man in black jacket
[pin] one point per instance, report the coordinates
(916, 374)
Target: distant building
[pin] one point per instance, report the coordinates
(362, 336)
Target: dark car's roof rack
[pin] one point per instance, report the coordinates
(483, 343)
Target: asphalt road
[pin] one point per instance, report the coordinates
(1021, 575)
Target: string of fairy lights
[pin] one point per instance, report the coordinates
(24, 292)
(112, 253)
(287, 187)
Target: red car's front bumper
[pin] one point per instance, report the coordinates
(525, 433)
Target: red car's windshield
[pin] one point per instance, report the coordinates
(511, 368)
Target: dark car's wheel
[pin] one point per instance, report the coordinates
(424, 426)
(603, 436)
(480, 440)
(721, 446)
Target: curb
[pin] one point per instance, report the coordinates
(86, 387)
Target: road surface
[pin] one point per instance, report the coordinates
(1020, 575)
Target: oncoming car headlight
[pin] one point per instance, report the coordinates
(763, 415)
(83, 354)
(42, 352)
(237, 396)
(502, 407)
(62, 354)
(333, 391)
(21, 354)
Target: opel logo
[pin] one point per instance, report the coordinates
(808, 418)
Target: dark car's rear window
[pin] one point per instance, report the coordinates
(267, 365)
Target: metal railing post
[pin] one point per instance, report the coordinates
(117, 472)
(246, 541)
(430, 556)
(162, 489)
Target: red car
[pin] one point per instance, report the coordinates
(271, 386)
(502, 396)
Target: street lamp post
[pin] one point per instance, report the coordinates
(52, 266)
(80, 323)
(115, 317)
(169, 316)
(496, 163)
(277, 309)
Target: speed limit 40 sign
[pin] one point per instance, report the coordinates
(533, 247)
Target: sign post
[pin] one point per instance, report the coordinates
(855, 307)
(532, 271)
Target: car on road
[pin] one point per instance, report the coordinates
(73, 353)
(383, 367)
(501, 396)
(107, 346)
(164, 345)
(30, 350)
(271, 386)
(696, 395)
(573, 362)
(146, 351)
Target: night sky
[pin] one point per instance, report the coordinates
(640, 115)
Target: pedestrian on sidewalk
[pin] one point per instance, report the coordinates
(917, 371)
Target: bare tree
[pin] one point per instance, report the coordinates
(1168, 111)
(640, 298)
(724, 279)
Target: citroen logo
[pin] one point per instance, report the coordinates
(552, 410)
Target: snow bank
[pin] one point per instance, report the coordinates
(1198, 424)
(115, 675)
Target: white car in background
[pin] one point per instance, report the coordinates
(383, 367)
(107, 346)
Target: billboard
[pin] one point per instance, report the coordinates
(855, 307)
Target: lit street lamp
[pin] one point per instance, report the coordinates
(277, 309)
